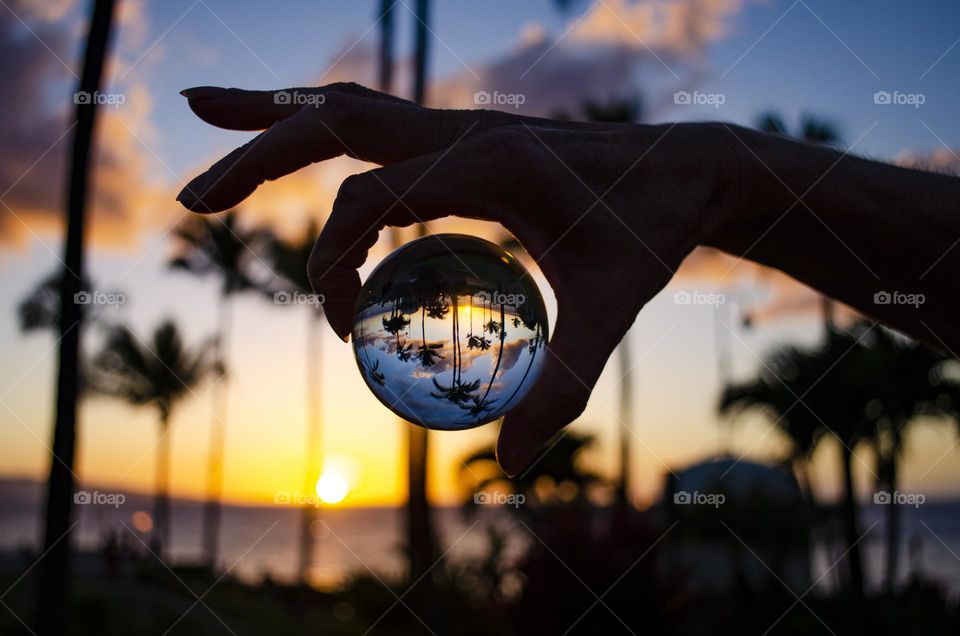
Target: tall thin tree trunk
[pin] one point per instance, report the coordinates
(218, 433)
(850, 525)
(385, 72)
(893, 523)
(53, 593)
(310, 510)
(626, 416)
(419, 522)
(421, 38)
(160, 541)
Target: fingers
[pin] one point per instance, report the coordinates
(417, 190)
(574, 360)
(238, 109)
(287, 146)
(376, 130)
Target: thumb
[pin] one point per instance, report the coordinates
(575, 358)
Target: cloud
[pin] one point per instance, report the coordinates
(602, 55)
(35, 134)
(942, 160)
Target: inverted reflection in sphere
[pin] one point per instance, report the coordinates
(449, 331)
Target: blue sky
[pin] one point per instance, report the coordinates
(792, 57)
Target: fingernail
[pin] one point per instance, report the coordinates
(203, 92)
(186, 198)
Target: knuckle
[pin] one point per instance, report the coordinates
(355, 188)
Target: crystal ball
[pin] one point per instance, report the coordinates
(449, 331)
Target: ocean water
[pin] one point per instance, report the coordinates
(263, 541)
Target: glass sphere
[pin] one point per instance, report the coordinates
(449, 331)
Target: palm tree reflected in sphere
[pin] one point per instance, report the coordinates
(449, 331)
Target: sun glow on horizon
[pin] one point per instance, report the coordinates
(332, 488)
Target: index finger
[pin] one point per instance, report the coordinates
(239, 109)
(373, 130)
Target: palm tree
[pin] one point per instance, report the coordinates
(620, 111)
(915, 385)
(813, 393)
(54, 569)
(814, 131)
(218, 245)
(160, 375)
(289, 261)
(559, 463)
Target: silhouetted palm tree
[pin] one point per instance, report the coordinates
(830, 386)
(915, 384)
(419, 519)
(219, 245)
(54, 568)
(158, 374)
(558, 464)
(288, 260)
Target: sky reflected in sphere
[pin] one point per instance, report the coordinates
(449, 331)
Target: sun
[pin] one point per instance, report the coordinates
(331, 488)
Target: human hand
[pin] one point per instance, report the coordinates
(607, 211)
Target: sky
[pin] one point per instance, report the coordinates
(737, 58)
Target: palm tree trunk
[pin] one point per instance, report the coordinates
(421, 54)
(850, 525)
(496, 369)
(893, 523)
(54, 570)
(310, 510)
(419, 522)
(385, 79)
(161, 498)
(218, 433)
(626, 416)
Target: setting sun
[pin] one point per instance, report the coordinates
(332, 488)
